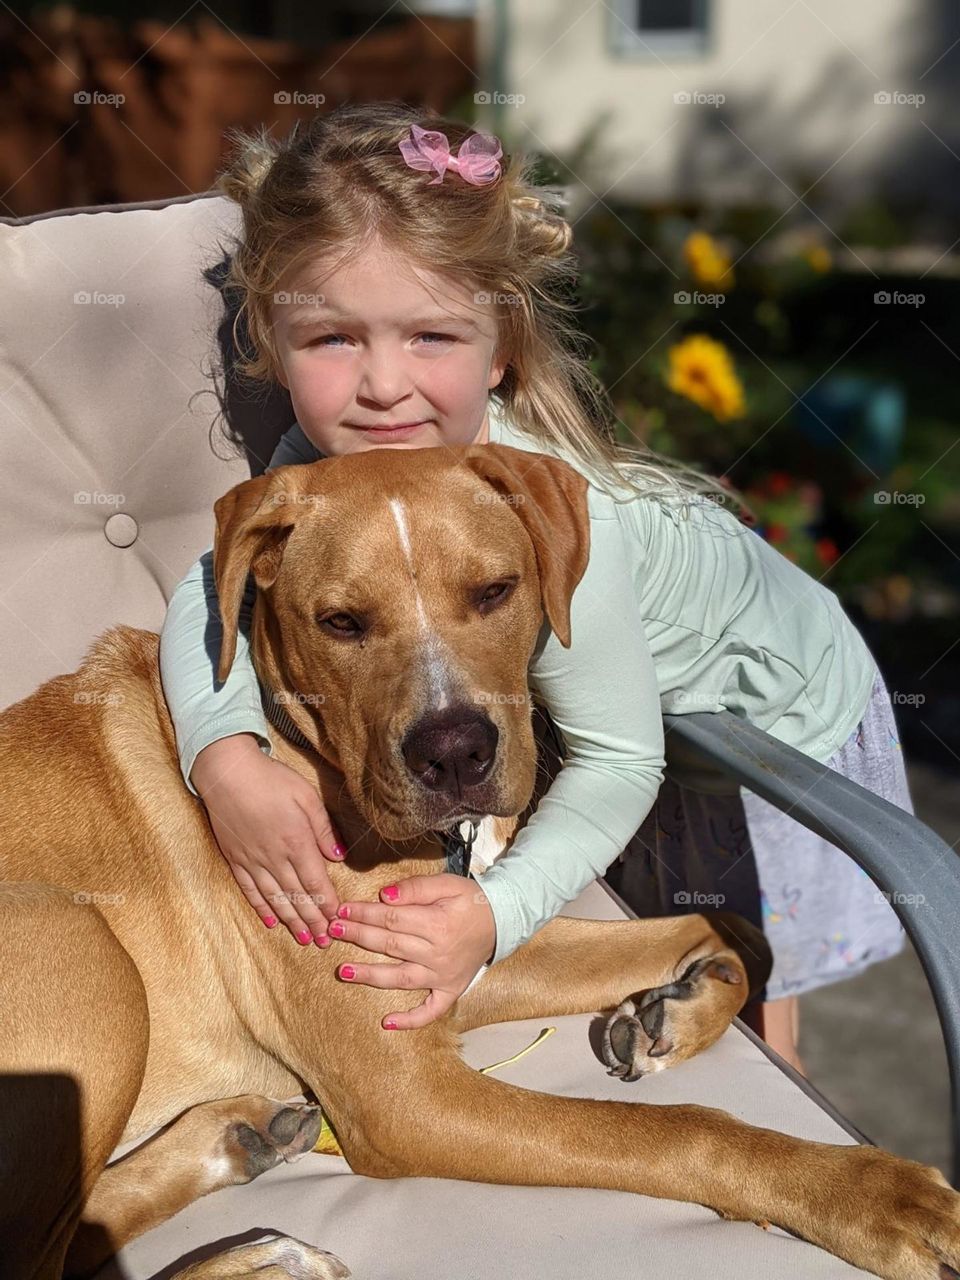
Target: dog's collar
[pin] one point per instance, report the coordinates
(458, 847)
(457, 844)
(279, 717)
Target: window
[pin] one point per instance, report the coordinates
(658, 28)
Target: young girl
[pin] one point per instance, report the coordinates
(396, 271)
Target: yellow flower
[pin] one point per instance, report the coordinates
(708, 262)
(819, 258)
(701, 369)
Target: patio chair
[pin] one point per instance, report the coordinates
(112, 323)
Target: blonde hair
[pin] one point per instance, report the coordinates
(339, 180)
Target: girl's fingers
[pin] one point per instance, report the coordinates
(254, 896)
(311, 904)
(321, 896)
(436, 1004)
(418, 921)
(279, 901)
(406, 977)
(330, 844)
(386, 942)
(322, 902)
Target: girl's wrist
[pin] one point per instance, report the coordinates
(215, 757)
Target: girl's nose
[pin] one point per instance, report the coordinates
(384, 380)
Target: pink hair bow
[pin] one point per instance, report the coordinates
(477, 161)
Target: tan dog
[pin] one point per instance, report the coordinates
(397, 588)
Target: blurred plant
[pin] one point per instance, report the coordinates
(701, 369)
(897, 598)
(710, 265)
(789, 513)
(819, 258)
(793, 378)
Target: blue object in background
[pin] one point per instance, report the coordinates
(867, 415)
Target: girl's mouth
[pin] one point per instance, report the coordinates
(397, 432)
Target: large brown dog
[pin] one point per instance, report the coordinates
(396, 592)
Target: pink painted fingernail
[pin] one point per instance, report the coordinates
(336, 929)
(390, 1025)
(322, 941)
(339, 851)
(269, 921)
(304, 936)
(347, 971)
(343, 912)
(391, 892)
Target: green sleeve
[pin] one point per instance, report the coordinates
(603, 696)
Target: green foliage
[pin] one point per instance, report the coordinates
(845, 399)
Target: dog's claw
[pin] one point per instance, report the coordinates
(660, 1048)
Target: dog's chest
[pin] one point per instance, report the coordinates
(491, 841)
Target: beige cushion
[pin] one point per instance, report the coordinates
(105, 425)
(102, 399)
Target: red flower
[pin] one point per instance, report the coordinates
(778, 483)
(827, 550)
(777, 533)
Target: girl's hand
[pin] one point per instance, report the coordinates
(440, 926)
(274, 832)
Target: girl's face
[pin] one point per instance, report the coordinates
(375, 345)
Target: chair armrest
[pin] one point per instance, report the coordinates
(920, 873)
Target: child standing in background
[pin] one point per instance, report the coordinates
(404, 280)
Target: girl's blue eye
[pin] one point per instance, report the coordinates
(327, 337)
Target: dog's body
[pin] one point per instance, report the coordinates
(132, 964)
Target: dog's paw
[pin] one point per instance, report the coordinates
(253, 1134)
(287, 1134)
(893, 1217)
(655, 1029)
(288, 1257)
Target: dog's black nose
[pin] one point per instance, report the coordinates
(451, 750)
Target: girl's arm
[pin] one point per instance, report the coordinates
(603, 696)
(202, 710)
(270, 825)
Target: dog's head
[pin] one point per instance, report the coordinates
(400, 596)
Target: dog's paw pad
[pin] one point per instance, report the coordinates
(643, 1034)
(284, 1134)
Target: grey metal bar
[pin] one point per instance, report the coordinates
(920, 873)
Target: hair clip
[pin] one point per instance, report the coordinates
(477, 162)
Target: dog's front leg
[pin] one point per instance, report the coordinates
(430, 1115)
(213, 1145)
(673, 983)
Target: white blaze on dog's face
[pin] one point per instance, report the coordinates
(434, 658)
(404, 597)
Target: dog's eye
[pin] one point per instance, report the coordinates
(495, 593)
(341, 624)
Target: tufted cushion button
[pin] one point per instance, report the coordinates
(121, 529)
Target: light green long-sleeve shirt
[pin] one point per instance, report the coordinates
(671, 615)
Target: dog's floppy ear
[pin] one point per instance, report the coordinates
(254, 521)
(550, 497)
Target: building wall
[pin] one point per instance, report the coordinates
(782, 95)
